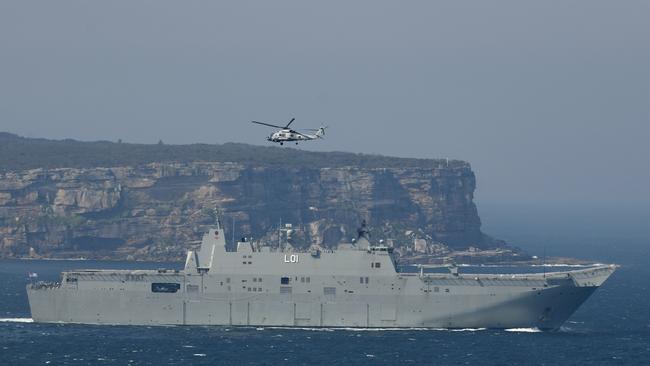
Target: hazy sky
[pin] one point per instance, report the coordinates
(548, 100)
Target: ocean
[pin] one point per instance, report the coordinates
(611, 328)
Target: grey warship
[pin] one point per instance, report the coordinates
(356, 285)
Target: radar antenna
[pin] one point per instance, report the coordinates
(363, 231)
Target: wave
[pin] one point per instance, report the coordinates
(571, 330)
(523, 330)
(16, 320)
(466, 329)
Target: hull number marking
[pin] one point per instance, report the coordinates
(293, 258)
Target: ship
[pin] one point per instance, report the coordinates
(356, 285)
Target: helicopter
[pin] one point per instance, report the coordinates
(286, 134)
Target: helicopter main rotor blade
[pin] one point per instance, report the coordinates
(267, 124)
(287, 126)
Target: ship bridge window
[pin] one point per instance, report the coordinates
(165, 287)
(285, 280)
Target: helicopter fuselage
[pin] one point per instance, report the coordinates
(289, 136)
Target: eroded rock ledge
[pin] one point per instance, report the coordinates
(157, 211)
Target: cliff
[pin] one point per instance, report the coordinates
(157, 210)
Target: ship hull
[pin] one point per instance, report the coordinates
(405, 300)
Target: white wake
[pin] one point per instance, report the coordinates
(523, 330)
(16, 320)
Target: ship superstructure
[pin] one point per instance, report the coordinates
(356, 285)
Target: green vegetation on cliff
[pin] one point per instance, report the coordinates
(19, 153)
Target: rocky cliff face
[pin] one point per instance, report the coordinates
(159, 210)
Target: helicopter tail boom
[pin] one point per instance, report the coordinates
(320, 132)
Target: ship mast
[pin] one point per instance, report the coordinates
(217, 220)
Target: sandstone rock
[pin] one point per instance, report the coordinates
(158, 210)
(5, 198)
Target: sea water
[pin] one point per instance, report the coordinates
(611, 328)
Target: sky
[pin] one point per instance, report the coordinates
(548, 100)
